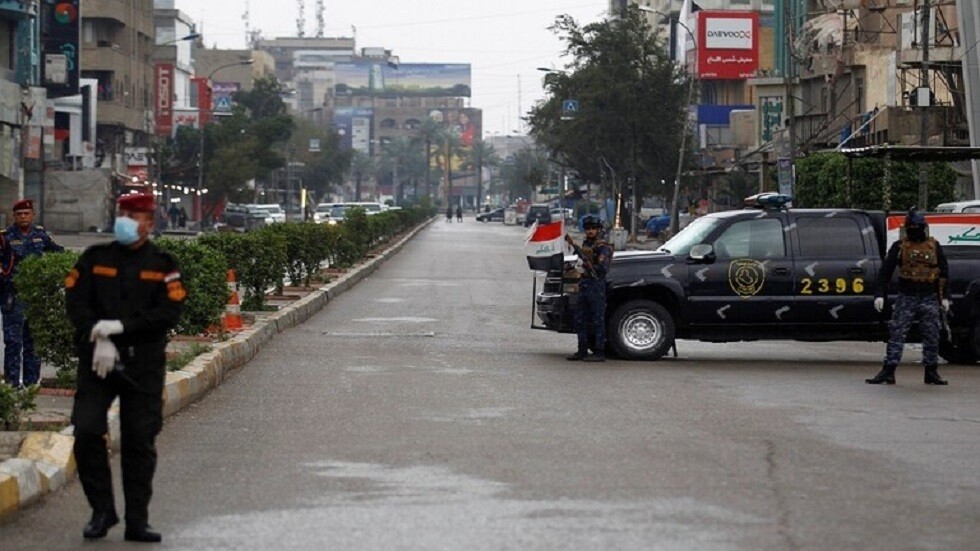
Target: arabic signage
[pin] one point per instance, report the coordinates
(223, 95)
(950, 230)
(731, 44)
(60, 24)
(163, 99)
(378, 78)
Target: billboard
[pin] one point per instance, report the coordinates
(729, 44)
(353, 125)
(466, 125)
(378, 78)
(60, 26)
(163, 98)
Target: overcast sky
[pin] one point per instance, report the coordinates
(500, 38)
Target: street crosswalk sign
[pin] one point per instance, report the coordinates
(222, 103)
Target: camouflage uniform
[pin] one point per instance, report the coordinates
(590, 311)
(17, 341)
(923, 271)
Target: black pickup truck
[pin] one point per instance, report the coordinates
(768, 273)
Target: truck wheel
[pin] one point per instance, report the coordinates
(965, 351)
(641, 330)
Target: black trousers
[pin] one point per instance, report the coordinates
(140, 420)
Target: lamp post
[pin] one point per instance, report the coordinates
(674, 210)
(200, 151)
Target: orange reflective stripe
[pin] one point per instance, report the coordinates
(72, 279)
(107, 271)
(150, 275)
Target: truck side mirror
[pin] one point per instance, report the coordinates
(702, 252)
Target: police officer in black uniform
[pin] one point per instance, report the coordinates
(123, 298)
(590, 312)
(922, 291)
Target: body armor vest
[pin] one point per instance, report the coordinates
(590, 250)
(920, 263)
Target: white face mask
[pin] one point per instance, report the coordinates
(126, 230)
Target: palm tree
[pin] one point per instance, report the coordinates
(400, 158)
(482, 154)
(431, 133)
(360, 165)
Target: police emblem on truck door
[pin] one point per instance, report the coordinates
(746, 276)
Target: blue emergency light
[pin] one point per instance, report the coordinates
(767, 201)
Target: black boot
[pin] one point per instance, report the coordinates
(933, 378)
(578, 356)
(143, 534)
(99, 526)
(884, 377)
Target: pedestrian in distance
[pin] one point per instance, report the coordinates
(25, 239)
(590, 313)
(123, 298)
(174, 214)
(459, 213)
(922, 294)
(449, 213)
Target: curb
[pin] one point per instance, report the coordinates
(46, 460)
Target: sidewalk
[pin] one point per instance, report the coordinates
(45, 460)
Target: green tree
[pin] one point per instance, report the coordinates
(821, 181)
(361, 166)
(431, 133)
(632, 100)
(528, 171)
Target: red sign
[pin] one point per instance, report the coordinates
(728, 44)
(163, 97)
(204, 98)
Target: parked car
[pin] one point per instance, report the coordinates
(321, 214)
(559, 213)
(496, 215)
(337, 214)
(961, 206)
(369, 207)
(538, 212)
(244, 218)
(275, 211)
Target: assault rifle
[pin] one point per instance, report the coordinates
(586, 263)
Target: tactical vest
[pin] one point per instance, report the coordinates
(920, 263)
(590, 250)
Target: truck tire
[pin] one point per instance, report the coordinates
(965, 351)
(641, 330)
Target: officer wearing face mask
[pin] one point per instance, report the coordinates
(922, 291)
(123, 298)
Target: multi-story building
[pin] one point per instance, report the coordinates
(117, 43)
(18, 47)
(305, 65)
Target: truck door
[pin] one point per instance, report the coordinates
(751, 280)
(836, 268)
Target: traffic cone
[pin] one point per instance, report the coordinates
(233, 311)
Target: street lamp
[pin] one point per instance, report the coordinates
(191, 36)
(674, 210)
(200, 150)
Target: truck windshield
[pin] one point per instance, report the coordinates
(695, 233)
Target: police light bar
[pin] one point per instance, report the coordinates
(767, 201)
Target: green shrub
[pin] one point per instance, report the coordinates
(14, 402)
(258, 258)
(204, 272)
(187, 356)
(40, 283)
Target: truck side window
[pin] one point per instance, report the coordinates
(760, 239)
(822, 237)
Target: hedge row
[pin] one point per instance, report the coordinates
(262, 260)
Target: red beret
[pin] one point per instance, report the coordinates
(24, 204)
(140, 202)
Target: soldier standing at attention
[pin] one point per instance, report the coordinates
(590, 312)
(123, 298)
(25, 239)
(922, 276)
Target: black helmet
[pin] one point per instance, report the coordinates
(915, 218)
(591, 222)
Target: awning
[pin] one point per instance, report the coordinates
(914, 153)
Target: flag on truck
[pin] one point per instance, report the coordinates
(950, 230)
(545, 246)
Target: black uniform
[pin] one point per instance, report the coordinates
(142, 289)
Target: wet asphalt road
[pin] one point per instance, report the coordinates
(418, 411)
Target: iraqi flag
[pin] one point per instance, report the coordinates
(545, 246)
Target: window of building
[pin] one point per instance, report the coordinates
(822, 237)
(412, 124)
(8, 51)
(388, 124)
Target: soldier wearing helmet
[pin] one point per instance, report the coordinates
(922, 291)
(590, 313)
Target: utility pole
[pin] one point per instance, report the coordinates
(788, 178)
(923, 202)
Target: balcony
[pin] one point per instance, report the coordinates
(116, 114)
(117, 10)
(105, 57)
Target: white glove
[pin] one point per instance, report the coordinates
(879, 303)
(946, 304)
(104, 358)
(106, 328)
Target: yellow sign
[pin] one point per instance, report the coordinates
(746, 277)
